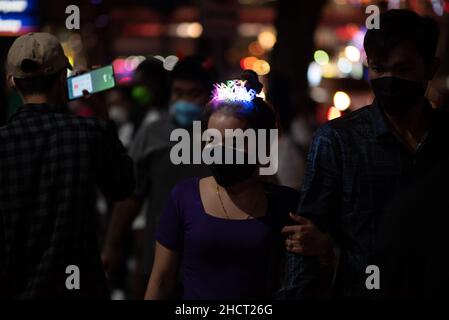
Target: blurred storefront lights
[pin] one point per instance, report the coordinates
(189, 30)
(170, 62)
(248, 62)
(344, 65)
(321, 57)
(333, 113)
(261, 67)
(352, 53)
(267, 39)
(256, 49)
(314, 74)
(342, 101)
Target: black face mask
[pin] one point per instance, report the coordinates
(395, 95)
(227, 175)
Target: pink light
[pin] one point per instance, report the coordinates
(119, 65)
(124, 80)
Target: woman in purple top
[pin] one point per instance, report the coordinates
(224, 231)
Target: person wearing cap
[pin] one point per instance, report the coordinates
(51, 164)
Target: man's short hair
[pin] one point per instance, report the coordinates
(398, 26)
(37, 85)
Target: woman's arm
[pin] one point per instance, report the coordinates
(164, 274)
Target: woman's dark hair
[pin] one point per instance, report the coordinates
(261, 115)
(398, 26)
(195, 68)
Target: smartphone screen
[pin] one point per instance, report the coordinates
(93, 81)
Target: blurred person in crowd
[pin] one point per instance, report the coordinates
(359, 162)
(150, 92)
(191, 84)
(51, 163)
(140, 104)
(119, 105)
(225, 229)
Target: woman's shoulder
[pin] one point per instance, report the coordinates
(185, 188)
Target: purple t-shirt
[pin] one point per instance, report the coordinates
(221, 258)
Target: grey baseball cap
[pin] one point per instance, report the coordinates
(36, 54)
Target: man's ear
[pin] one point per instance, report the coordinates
(433, 67)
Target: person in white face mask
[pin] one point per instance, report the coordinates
(191, 83)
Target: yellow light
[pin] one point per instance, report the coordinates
(261, 67)
(352, 53)
(342, 101)
(333, 113)
(329, 70)
(71, 60)
(194, 30)
(267, 39)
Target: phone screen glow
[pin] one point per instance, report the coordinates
(94, 81)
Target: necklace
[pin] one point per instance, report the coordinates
(224, 209)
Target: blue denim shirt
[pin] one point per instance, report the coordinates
(355, 167)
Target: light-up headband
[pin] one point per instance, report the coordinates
(233, 91)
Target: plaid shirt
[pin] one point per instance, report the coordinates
(356, 166)
(51, 163)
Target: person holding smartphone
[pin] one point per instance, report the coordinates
(51, 164)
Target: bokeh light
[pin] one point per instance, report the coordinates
(256, 49)
(321, 57)
(333, 113)
(248, 62)
(194, 30)
(261, 67)
(267, 39)
(314, 74)
(170, 62)
(344, 65)
(342, 101)
(352, 53)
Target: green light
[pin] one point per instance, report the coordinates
(141, 94)
(321, 57)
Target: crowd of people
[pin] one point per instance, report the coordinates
(367, 196)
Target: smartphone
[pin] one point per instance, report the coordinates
(94, 81)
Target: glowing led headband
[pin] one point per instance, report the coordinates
(233, 91)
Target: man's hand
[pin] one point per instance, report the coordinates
(305, 238)
(96, 102)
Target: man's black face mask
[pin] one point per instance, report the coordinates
(395, 95)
